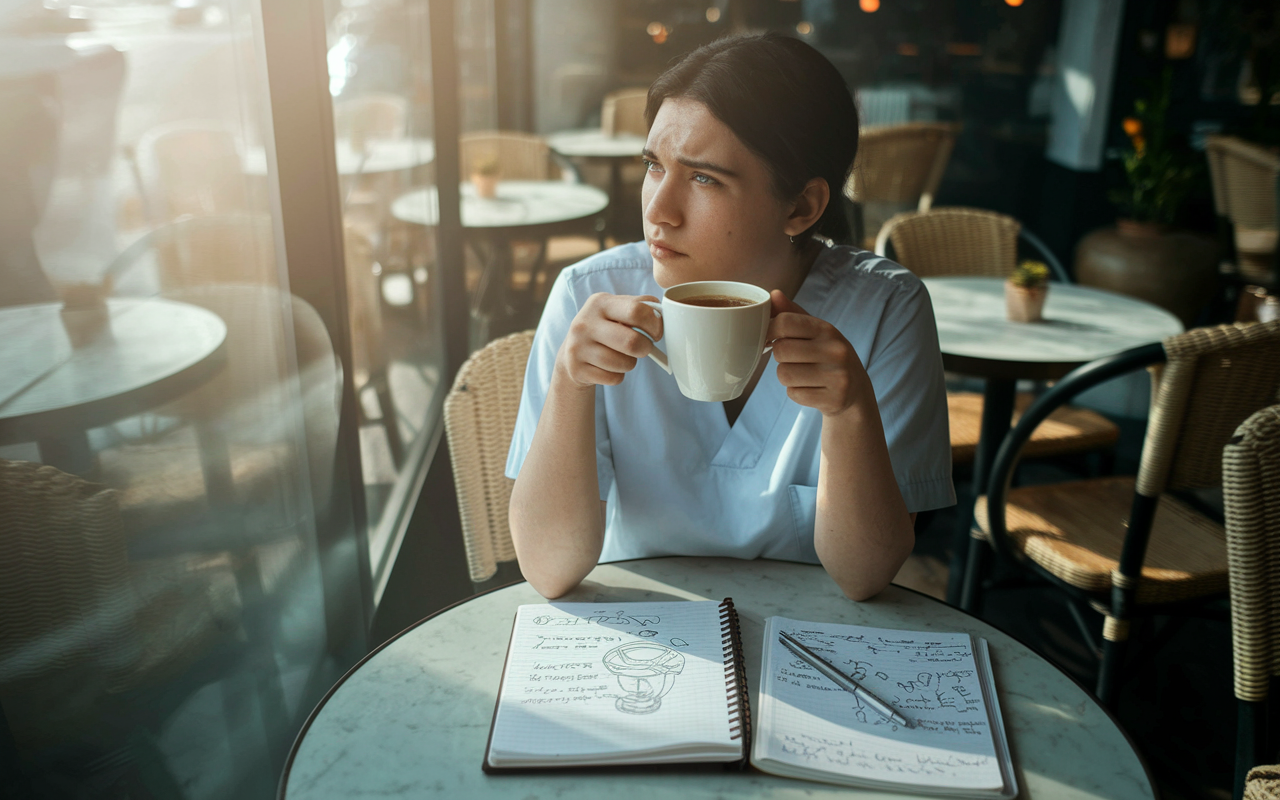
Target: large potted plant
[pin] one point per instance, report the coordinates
(1144, 255)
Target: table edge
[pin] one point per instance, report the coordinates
(315, 712)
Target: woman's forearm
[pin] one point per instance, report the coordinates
(863, 532)
(556, 517)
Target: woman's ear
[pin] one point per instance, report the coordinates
(808, 208)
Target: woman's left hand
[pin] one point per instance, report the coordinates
(815, 362)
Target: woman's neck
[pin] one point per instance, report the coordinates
(802, 261)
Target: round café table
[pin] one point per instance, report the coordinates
(521, 210)
(379, 155)
(149, 352)
(1080, 324)
(593, 144)
(412, 718)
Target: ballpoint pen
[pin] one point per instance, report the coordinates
(840, 679)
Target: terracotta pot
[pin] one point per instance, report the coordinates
(1175, 270)
(486, 185)
(1024, 304)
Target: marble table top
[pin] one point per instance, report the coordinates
(380, 155)
(1080, 323)
(593, 143)
(412, 720)
(148, 349)
(519, 204)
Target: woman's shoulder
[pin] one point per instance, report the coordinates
(851, 272)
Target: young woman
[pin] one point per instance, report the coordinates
(840, 438)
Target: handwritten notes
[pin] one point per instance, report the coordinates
(809, 727)
(627, 683)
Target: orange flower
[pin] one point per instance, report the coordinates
(1133, 126)
(1139, 145)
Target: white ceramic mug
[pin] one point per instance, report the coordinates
(712, 351)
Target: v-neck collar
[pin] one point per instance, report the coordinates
(743, 443)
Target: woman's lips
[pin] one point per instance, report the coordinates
(663, 251)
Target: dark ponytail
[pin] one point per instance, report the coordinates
(785, 101)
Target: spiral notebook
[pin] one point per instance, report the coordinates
(807, 727)
(592, 684)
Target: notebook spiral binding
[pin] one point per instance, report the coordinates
(735, 677)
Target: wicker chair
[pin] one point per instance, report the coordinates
(1261, 783)
(623, 112)
(521, 156)
(479, 418)
(970, 241)
(1127, 546)
(1251, 491)
(1246, 179)
(371, 116)
(78, 619)
(899, 167)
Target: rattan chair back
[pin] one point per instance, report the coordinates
(1244, 177)
(901, 163)
(480, 417)
(520, 156)
(1251, 491)
(952, 241)
(66, 596)
(1213, 379)
(623, 112)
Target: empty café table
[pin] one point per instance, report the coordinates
(593, 144)
(412, 718)
(378, 155)
(149, 351)
(1080, 324)
(521, 209)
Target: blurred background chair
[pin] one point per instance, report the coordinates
(973, 242)
(623, 112)
(1125, 546)
(191, 167)
(370, 116)
(1251, 495)
(480, 418)
(898, 168)
(370, 361)
(80, 622)
(1245, 179)
(196, 250)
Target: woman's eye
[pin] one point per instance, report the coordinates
(651, 166)
(705, 180)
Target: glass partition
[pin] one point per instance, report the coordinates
(169, 413)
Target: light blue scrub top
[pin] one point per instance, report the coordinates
(680, 481)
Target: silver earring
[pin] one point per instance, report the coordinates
(792, 238)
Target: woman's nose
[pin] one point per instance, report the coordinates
(662, 201)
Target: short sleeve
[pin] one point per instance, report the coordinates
(557, 315)
(906, 369)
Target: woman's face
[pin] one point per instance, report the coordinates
(709, 209)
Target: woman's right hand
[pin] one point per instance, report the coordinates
(601, 346)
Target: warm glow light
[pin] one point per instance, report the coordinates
(908, 49)
(654, 28)
(804, 28)
(964, 49)
(1014, 3)
(660, 34)
(869, 6)
(713, 14)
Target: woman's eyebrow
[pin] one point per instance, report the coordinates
(692, 164)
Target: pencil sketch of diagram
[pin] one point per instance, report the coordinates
(646, 671)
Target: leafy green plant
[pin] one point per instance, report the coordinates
(1159, 176)
(1030, 274)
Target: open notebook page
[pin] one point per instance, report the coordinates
(809, 727)
(614, 683)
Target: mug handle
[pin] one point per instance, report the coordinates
(659, 357)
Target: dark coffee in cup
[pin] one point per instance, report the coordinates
(717, 301)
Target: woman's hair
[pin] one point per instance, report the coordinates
(785, 101)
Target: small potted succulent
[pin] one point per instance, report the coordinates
(1025, 291)
(484, 176)
(84, 312)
